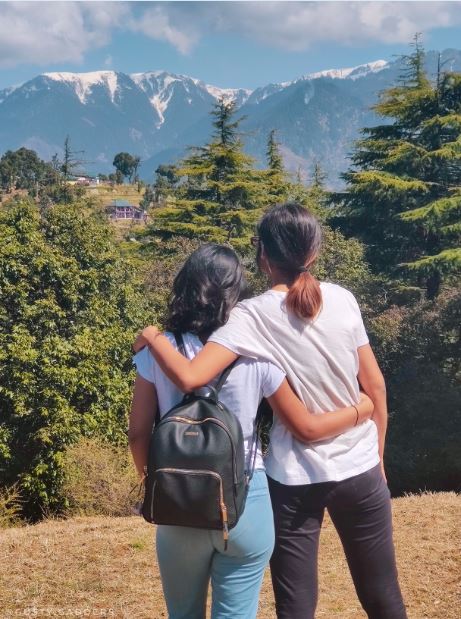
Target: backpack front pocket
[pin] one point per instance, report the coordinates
(189, 498)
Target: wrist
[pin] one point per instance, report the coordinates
(356, 418)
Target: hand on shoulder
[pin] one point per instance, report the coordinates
(145, 337)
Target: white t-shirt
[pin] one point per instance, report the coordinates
(321, 362)
(247, 384)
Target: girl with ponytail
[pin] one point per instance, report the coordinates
(288, 243)
(314, 332)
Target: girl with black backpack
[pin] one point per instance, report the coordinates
(205, 291)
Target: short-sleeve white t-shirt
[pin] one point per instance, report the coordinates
(320, 359)
(247, 384)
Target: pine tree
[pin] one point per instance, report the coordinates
(404, 188)
(274, 158)
(279, 185)
(221, 194)
(71, 165)
(318, 177)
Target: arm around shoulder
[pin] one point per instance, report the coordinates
(187, 374)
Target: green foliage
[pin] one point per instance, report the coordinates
(220, 195)
(342, 261)
(23, 169)
(126, 166)
(403, 195)
(419, 350)
(278, 184)
(166, 180)
(274, 159)
(68, 317)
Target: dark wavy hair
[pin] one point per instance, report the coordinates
(207, 287)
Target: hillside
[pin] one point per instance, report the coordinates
(106, 565)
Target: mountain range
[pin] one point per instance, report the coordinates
(157, 115)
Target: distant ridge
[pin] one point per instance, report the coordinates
(157, 114)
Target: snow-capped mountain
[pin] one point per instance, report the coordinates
(157, 115)
(352, 72)
(83, 84)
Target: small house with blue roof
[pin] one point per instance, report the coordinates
(122, 209)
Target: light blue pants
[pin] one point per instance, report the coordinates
(188, 558)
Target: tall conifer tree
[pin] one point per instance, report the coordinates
(404, 188)
(221, 194)
(278, 184)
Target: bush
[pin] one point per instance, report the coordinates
(10, 506)
(98, 478)
(418, 348)
(70, 310)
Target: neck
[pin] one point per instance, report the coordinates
(279, 281)
(281, 287)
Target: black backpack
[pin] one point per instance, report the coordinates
(196, 474)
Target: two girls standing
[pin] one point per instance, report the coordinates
(311, 333)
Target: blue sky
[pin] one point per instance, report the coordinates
(228, 44)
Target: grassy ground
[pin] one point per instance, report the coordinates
(106, 568)
(118, 192)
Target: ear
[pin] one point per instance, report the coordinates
(263, 262)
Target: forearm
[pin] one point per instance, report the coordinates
(141, 421)
(373, 384)
(178, 368)
(326, 425)
(378, 396)
(139, 447)
(308, 427)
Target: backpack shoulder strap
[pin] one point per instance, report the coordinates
(224, 376)
(257, 426)
(180, 343)
(182, 349)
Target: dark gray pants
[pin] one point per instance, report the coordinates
(360, 509)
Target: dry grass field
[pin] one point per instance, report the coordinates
(105, 567)
(107, 193)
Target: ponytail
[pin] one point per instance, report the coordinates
(304, 298)
(291, 237)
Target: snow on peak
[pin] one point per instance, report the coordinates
(351, 72)
(83, 83)
(162, 78)
(228, 93)
(158, 87)
(6, 92)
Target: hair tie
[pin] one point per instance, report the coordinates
(303, 270)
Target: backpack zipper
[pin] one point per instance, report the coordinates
(212, 420)
(222, 504)
(152, 501)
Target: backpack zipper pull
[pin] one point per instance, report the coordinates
(225, 527)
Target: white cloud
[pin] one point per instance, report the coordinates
(44, 32)
(157, 23)
(295, 26)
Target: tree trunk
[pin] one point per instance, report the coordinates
(433, 283)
